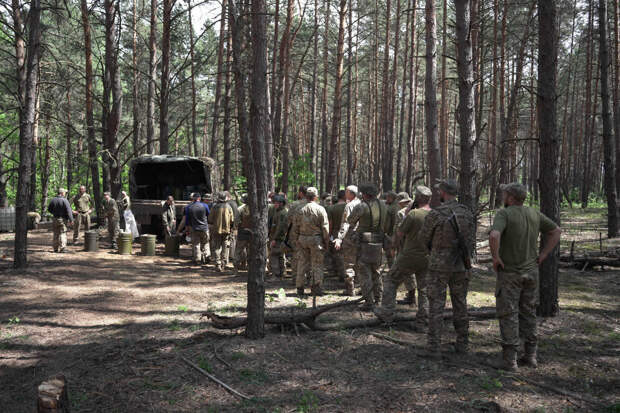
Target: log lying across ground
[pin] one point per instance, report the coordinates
(583, 262)
(308, 317)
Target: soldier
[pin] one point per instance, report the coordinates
(311, 232)
(347, 241)
(412, 259)
(61, 211)
(195, 216)
(110, 211)
(449, 264)
(233, 232)
(326, 200)
(292, 242)
(404, 205)
(169, 216)
(335, 213)
(391, 200)
(83, 207)
(124, 204)
(513, 241)
(221, 223)
(244, 235)
(277, 234)
(371, 215)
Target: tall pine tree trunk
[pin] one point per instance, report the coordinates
(218, 82)
(164, 90)
(430, 101)
(549, 147)
(150, 111)
(193, 78)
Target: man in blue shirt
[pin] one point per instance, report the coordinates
(60, 209)
(195, 216)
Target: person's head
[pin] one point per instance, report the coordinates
(301, 192)
(123, 193)
(279, 201)
(513, 193)
(170, 200)
(390, 197)
(312, 194)
(369, 191)
(228, 197)
(62, 192)
(342, 196)
(106, 196)
(244, 199)
(423, 195)
(82, 189)
(221, 197)
(326, 198)
(196, 197)
(351, 192)
(448, 189)
(403, 199)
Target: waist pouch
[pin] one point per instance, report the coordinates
(371, 253)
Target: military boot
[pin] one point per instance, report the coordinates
(349, 288)
(409, 298)
(529, 358)
(508, 362)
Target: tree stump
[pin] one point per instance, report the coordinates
(52, 395)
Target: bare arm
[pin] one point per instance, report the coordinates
(551, 240)
(494, 238)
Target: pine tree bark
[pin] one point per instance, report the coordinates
(193, 77)
(383, 155)
(413, 97)
(218, 83)
(150, 111)
(609, 147)
(466, 107)
(26, 132)
(549, 147)
(164, 90)
(93, 164)
(403, 100)
(227, 118)
(315, 61)
(443, 110)
(69, 144)
(324, 125)
(430, 101)
(616, 90)
(337, 108)
(585, 182)
(137, 145)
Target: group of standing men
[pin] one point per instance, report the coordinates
(427, 249)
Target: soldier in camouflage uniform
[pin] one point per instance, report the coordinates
(311, 232)
(244, 235)
(448, 265)
(292, 242)
(277, 234)
(221, 218)
(83, 207)
(513, 241)
(412, 259)
(110, 211)
(346, 241)
(391, 201)
(371, 217)
(335, 213)
(169, 216)
(62, 216)
(404, 205)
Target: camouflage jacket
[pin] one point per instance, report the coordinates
(311, 220)
(221, 218)
(376, 222)
(292, 211)
(279, 226)
(438, 235)
(347, 231)
(110, 209)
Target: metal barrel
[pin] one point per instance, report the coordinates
(91, 241)
(172, 246)
(147, 242)
(124, 243)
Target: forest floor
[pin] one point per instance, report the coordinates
(117, 327)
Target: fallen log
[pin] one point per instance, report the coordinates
(309, 318)
(589, 261)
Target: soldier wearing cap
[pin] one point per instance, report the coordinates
(110, 211)
(83, 207)
(290, 237)
(61, 211)
(346, 240)
(277, 234)
(311, 231)
(448, 264)
(513, 241)
(370, 216)
(405, 204)
(412, 259)
(335, 214)
(169, 216)
(220, 220)
(244, 235)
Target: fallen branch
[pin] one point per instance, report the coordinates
(483, 362)
(588, 261)
(216, 380)
(307, 317)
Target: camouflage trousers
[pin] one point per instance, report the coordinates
(200, 240)
(403, 274)
(220, 245)
(232, 246)
(113, 230)
(277, 262)
(82, 221)
(242, 249)
(337, 261)
(409, 280)
(458, 283)
(516, 298)
(370, 280)
(59, 227)
(349, 260)
(310, 258)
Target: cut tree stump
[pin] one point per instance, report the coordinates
(53, 396)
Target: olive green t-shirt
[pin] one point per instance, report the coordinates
(334, 213)
(520, 226)
(413, 248)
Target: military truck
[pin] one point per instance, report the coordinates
(153, 177)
